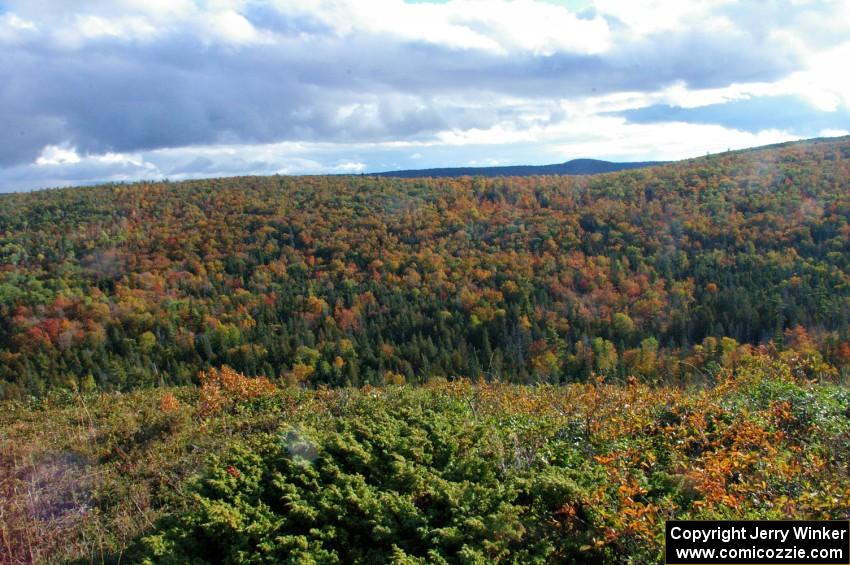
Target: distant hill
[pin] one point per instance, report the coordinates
(574, 167)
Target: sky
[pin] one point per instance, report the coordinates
(95, 91)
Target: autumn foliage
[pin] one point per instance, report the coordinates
(455, 470)
(490, 472)
(661, 273)
(368, 370)
(222, 388)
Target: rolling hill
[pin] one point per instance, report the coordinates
(348, 280)
(573, 167)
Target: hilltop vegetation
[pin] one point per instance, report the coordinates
(242, 471)
(667, 273)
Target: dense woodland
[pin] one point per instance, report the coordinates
(668, 273)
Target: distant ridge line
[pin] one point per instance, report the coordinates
(573, 167)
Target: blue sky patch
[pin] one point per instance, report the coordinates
(788, 113)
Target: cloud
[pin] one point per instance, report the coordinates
(54, 155)
(158, 79)
(498, 27)
(787, 113)
(606, 137)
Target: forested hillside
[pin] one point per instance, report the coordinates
(572, 167)
(666, 273)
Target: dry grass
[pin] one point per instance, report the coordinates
(78, 478)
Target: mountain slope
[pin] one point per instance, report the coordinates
(347, 280)
(574, 167)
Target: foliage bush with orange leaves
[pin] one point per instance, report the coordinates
(458, 470)
(222, 388)
(450, 471)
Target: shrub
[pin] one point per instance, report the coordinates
(225, 387)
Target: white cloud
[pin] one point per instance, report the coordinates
(13, 27)
(824, 83)
(159, 9)
(666, 141)
(490, 25)
(644, 17)
(231, 27)
(14, 22)
(55, 155)
(484, 162)
(613, 137)
(93, 27)
(350, 167)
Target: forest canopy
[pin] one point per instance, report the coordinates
(667, 273)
